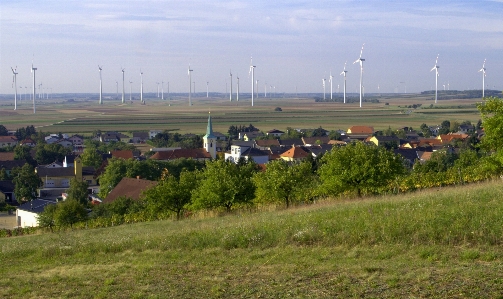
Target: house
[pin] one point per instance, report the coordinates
(28, 142)
(296, 153)
(317, 150)
(424, 156)
(383, 140)
(76, 140)
(8, 141)
(409, 155)
(466, 129)
(140, 137)
(130, 188)
(54, 164)
(276, 151)
(248, 153)
(249, 136)
(220, 136)
(27, 213)
(52, 139)
(11, 164)
(153, 133)
(275, 133)
(69, 160)
(6, 156)
(114, 137)
(123, 154)
(265, 144)
(7, 192)
(447, 138)
(65, 143)
(56, 180)
(291, 142)
(310, 141)
(361, 130)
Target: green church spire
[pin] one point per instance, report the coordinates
(209, 129)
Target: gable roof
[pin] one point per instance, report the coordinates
(36, 205)
(9, 165)
(129, 187)
(124, 154)
(267, 142)
(6, 156)
(197, 153)
(142, 135)
(295, 153)
(291, 142)
(254, 152)
(314, 140)
(361, 130)
(63, 171)
(8, 139)
(6, 186)
(275, 131)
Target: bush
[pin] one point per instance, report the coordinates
(278, 109)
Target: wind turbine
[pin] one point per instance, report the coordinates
(331, 80)
(190, 85)
(230, 92)
(157, 89)
(483, 70)
(122, 86)
(207, 93)
(361, 60)
(33, 69)
(14, 80)
(265, 89)
(237, 91)
(436, 67)
(130, 91)
(101, 86)
(323, 81)
(116, 89)
(344, 73)
(162, 90)
(141, 87)
(252, 71)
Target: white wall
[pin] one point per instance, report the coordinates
(27, 218)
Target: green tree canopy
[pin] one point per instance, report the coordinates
(91, 157)
(285, 183)
(22, 152)
(224, 184)
(47, 217)
(3, 131)
(69, 212)
(78, 191)
(26, 183)
(491, 111)
(48, 153)
(359, 168)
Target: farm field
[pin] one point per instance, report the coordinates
(85, 116)
(440, 243)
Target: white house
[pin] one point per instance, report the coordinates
(26, 214)
(237, 152)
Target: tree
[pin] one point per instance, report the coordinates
(445, 127)
(78, 191)
(172, 193)
(492, 122)
(3, 131)
(69, 212)
(26, 183)
(285, 183)
(22, 152)
(359, 168)
(48, 153)
(91, 157)
(224, 184)
(3, 175)
(47, 217)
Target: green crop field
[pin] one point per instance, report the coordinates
(439, 243)
(86, 116)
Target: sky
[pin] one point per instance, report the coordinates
(295, 44)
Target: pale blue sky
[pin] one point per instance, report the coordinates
(293, 43)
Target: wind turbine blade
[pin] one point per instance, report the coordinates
(433, 68)
(361, 52)
(436, 60)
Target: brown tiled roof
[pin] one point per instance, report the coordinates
(6, 156)
(8, 139)
(124, 154)
(131, 188)
(446, 138)
(429, 141)
(313, 140)
(267, 142)
(295, 153)
(425, 156)
(361, 130)
(197, 153)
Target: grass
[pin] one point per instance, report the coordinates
(441, 243)
(85, 117)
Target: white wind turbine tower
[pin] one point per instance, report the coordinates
(252, 71)
(190, 85)
(207, 90)
(101, 86)
(344, 73)
(162, 90)
(130, 91)
(14, 80)
(141, 87)
(157, 89)
(361, 60)
(435, 67)
(323, 81)
(230, 93)
(483, 70)
(237, 91)
(116, 90)
(33, 69)
(331, 80)
(122, 86)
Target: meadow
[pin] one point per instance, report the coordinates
(437, 243)
(85, 116)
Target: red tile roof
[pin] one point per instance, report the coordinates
(6, 156)
(124, 154)
(361, 130)
(295, 153)
(8, 139)
(129, 187)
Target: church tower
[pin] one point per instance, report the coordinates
(210, 141)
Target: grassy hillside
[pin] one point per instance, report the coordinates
(441, 243)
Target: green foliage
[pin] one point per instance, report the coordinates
(69, 212)
(171, 193)
(48, 153)
(359, 167)
(3, 131)
(224, 184)
(291, 133)
(78, 191)
(121, 206)
(23, 133)
(3, 175)
(278, 109)
(26, 182)
(46, 219)
(285, 183)
(491, 111)
(91, 157)
(22, 152)
(440, 161)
